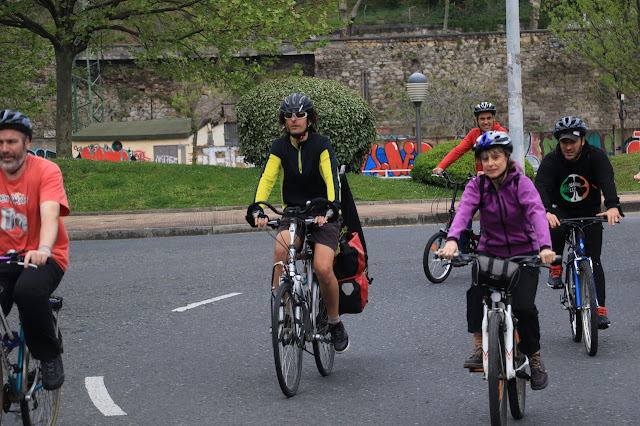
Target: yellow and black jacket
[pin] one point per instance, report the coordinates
(307, 172)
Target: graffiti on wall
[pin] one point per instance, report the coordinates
(388, 159)
(228, 156)
(104, 153)
(540, 144)
(44, 153)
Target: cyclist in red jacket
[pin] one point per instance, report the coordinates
(485, 113)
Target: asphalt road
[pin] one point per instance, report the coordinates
(213, 363)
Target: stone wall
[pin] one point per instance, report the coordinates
(553, 83)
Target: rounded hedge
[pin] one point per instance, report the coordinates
(427, 161)
(344, 117)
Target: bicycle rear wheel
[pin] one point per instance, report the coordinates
(517, 387)
(589, 309)
(287, 351)
(323, 351)
(42, 408)
(436, 270)
(574, 317)
(497, 374)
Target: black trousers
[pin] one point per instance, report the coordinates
(522, 304)
(592, 245)
(30, 289)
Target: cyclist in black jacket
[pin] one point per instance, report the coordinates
(570, 180)
(308, 169)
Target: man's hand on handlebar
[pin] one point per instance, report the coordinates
(36, 257)
(437, 171)
(613, 215)
(260, 219)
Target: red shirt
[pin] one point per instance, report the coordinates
(20, 201)
(465, 145)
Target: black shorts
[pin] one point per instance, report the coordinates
(327, 234)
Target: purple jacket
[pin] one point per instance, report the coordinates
(513, 219)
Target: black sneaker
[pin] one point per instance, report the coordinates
(603, 321)
(339, 337)
(52, 373)
(555, 277)
(474, 362)
(539, 378)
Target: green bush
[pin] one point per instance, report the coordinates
(343, 117)
(427, 161)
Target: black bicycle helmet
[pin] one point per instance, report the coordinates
(569, 124)
(484, 107)
(492, 139)
(295, 102)
(10, 119)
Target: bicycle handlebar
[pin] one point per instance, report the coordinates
(461, 259)
(294, 211)
(13, 257)
(582, 221)
(446, 176)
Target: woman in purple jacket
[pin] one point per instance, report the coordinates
(513, 222)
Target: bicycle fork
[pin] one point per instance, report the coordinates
(498, 308)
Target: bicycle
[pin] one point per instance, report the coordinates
(23, 385)
(436, 269)
(504, 366)
(298, 313)
(579, 296)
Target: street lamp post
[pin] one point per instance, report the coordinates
(417, 90)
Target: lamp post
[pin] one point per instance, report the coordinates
(417, 90)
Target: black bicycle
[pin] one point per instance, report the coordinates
(298, 311)
(437, 269)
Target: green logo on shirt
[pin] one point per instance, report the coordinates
(574, 189)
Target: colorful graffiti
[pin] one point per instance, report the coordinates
(44, 153)
(98, 153)
(540, 144)
(391, 160)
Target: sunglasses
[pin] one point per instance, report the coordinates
(299, 115)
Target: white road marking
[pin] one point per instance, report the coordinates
(100, 397)
(204, 302)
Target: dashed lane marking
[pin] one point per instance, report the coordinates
(100, 397)
(204, 302)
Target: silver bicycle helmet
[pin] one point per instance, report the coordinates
(492, 139)
(571, 125)
(484, 107)
(10, 119)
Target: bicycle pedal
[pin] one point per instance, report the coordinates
(523, 375)
(476, 370)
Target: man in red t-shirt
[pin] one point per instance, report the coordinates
(484, 114)
(32, 199)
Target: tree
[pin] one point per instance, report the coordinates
(344, 117)
(14, 69)
(163, 29)
(606, 34)
(347, 17)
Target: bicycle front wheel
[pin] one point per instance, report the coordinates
(436, 270)
(589, 308)
(575, 321)
(287, 351)
(497, 374)
(323, 351)
(517, 387)
(42, 408)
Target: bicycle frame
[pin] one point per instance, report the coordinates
(500, 305)
(576, 256)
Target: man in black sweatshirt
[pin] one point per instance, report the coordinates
(570, 180)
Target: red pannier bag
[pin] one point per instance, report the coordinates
(350, 267)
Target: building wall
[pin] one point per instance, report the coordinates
(177, 151)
